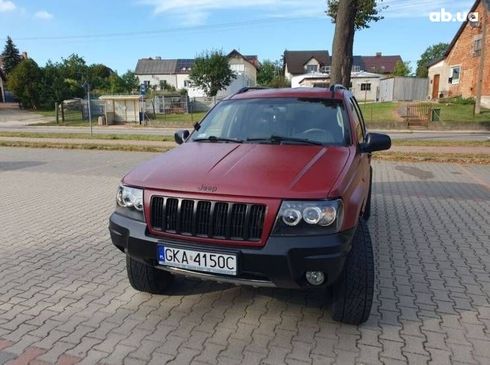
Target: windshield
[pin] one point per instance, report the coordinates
(275, 120)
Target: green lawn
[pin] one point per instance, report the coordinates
(130, 137)
(380, 112)
(189, 117)
(162, 120)
(462, 113)
(451, 113)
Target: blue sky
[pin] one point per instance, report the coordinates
(118, 33)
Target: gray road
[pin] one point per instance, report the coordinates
(65, 298)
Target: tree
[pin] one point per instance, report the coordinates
(131, 81)
(11, 56)
(25, 82)
(54, 88)
(402, 69)
(98, 76)
(268, 71)
(349, 16)
(211, 72)
(432, 53)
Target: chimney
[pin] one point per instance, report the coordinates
(378, 54)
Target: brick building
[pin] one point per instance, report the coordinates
(457, 73)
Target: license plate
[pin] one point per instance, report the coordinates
(197, 260)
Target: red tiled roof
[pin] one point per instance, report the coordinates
(296, 60)
(380, 64)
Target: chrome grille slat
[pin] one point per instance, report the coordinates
(213, 219)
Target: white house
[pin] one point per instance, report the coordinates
(297, 63)
(364, 85)
(153, 72)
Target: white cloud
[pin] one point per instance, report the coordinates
(6, 5)
(44, 15)
(421, 8)
(195, 12)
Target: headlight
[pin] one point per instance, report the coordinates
(129, 202)
(308, 218)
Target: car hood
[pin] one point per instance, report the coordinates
(249, 170)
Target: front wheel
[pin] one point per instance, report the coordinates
(352, 294)
(146, 278)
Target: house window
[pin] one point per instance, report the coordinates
(238, 68)
(477, 46)
(455, 75)
(311, 68)
(356, 68)
(365, 87)
(325, 69)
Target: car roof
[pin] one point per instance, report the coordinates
(298, 92)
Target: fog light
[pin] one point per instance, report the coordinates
(315, 277)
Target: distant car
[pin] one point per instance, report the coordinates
(271, 189)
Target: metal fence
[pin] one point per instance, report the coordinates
(202, 104)
(97, 108)
(163, 104)
(77, 109)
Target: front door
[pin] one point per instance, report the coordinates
(435, 87)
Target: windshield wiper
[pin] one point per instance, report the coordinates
(215, 139)
(281, 139)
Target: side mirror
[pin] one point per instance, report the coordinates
(376, 142)
(181, 136)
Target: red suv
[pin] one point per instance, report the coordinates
(271, 189)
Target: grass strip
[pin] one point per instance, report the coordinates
(84, 146)
(127, 137)
(479, 159)
(439, 143)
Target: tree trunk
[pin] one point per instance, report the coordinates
(343, 43)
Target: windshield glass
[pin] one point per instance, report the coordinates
(257, 120)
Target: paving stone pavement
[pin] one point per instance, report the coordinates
(65, 298)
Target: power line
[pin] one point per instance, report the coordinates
(220, 26)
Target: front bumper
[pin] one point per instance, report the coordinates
(282, 262)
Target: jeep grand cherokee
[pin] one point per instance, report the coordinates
(272, 188)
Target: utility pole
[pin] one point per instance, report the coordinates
(89, 109)
(479, 85)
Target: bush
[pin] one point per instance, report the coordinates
(459, 100)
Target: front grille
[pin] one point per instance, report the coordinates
(221, 220)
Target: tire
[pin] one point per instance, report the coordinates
(352, 294)
(146, 278)
(367, 209)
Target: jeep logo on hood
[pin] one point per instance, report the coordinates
(207, 188)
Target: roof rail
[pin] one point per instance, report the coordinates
(248, 88)
(336, 87)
